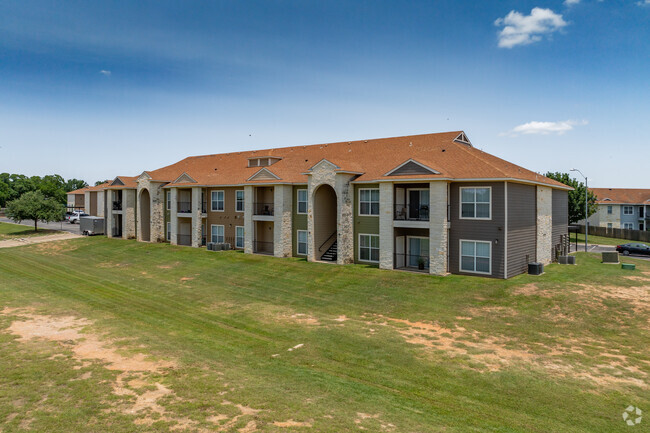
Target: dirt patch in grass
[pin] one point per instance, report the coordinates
(56, 245)
(110, 265)
(638, 278)
(168, 265)
(142, 394)
(302, 319)
(498, 352)
(488, 311)
(637, 296)
(532, 290)
(290, 423)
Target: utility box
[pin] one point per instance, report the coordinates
(628, 266)
(567, 260)
(91, 225)
(535, 268)
(610, 257)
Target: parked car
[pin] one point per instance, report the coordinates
(74, 216)
(627, 249)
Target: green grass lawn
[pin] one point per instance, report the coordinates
(376, 350)
(9, 231)
(601, 240)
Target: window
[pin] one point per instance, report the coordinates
(217, 201)
(628, 210)
(169, 231)
(217, 234)
(610, 226)
(628, 226)
(169, 200)
(475, 203)
(369, 248)
(475, 256)
(239, 200)
(368, 202)
(239, 237)
(302, 242)
(302, 201)
(609, 210)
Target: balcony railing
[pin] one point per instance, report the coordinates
(411, 261)
(117, 205)
(263, 247)
(204, 207)
(262, 208)
(184, 239)
(184, 207)
(412, 212)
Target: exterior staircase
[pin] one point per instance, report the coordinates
(331, 254)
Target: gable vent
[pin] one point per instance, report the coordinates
(411, 167)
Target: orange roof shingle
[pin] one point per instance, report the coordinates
(622, 195)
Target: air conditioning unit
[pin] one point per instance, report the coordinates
(535, 268)
(566, 260)
(210, 246)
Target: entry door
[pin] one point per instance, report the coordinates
(418, 203)
(418, 249)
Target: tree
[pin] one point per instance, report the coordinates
(576, 197)
(75, 184)
(99, 182)
(35, 206)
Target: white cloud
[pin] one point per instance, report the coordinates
(519, 29)
(643, 3)
(105, 72)
(544, 128)
(571, 2)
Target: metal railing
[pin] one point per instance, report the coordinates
(411, 261)
(262, 208)
(184, 207)
(326, 241)
(184, 239)
(117, 205)
(260, 247)
(412, 212)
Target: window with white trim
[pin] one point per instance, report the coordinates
(628, 226)
(628, 210)
(476, 256)
(169, 232)
(369, 248)
(239, 200)
(610, 226)
(302, 242)
(302, 201)
(169, 200)
(217, 234)
(239, 237)
(217, 202)
(369, 202)
(610, 210)
(475, 203)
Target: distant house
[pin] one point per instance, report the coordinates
(76, 199)
(426, 203)
(620, 208)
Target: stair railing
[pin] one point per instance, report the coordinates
(326, 241)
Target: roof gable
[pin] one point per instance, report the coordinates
(411, 167)
(185, 178)
(263, 174)
(462, 138)
(117, 181)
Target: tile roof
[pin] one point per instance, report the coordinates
(622, 195)
(79, 191)
(128, 181)
(372, 158)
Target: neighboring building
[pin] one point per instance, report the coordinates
(430, 203)
(76, 199)
(620, 208)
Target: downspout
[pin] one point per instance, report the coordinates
(505, 231)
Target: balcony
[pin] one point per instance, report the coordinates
(265, 209)
(411, 212)
(412, 262)
(117, 205)
(184, 207)
(184, 240)
(260, 247)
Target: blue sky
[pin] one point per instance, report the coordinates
(97, 89)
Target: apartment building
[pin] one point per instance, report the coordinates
(621, 208)
(427, 203)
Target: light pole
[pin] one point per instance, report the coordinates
(586, 207)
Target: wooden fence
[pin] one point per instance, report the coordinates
(632, 235)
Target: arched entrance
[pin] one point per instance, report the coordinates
(145, 216)
(325, 214)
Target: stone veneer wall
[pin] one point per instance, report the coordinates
(438, 227)
(173, 216)
(282, 218)
(249, 228)
(128, 213)
(156, 209)
(197, 217)
(324, 173)
(544, 224)
(386, 234)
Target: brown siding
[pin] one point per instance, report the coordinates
(410, 168)
(477, 230)
(79, 200)
(229, 218)
(560, 215)
(522, 232)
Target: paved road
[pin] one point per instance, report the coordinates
(605, 248)
(64, 225)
